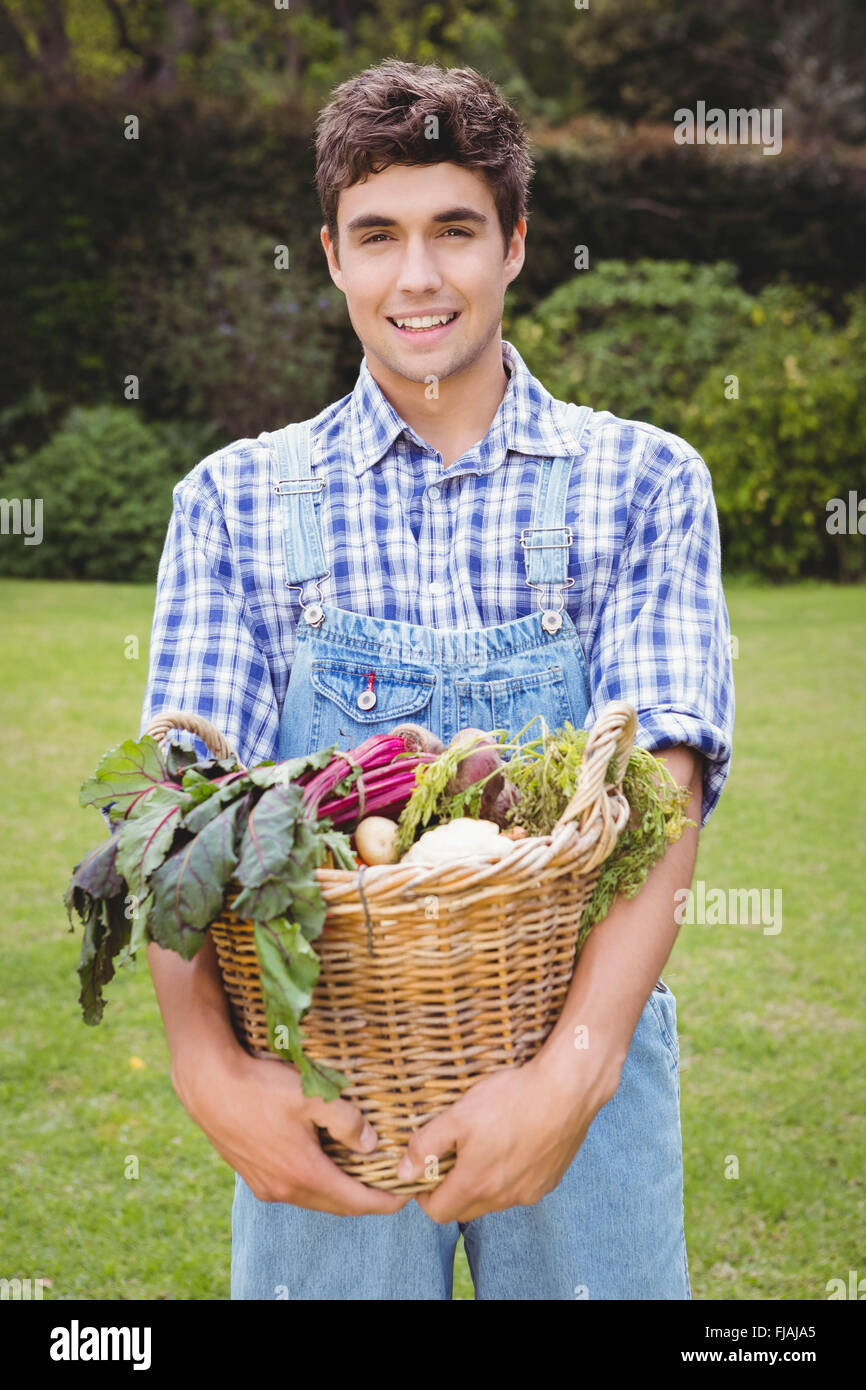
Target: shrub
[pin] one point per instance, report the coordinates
(227, 337)
(793, 438)
(634, 338)
(105, 481)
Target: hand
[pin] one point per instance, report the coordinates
(256, 1116)
(515, 1132)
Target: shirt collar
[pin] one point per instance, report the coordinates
(529, 421)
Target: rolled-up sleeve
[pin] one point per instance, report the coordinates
(204, 657)
(663, 639)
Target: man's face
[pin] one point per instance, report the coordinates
(417, 241)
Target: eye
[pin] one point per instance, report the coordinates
(370, 240)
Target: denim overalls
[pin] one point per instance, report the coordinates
(613, 1227)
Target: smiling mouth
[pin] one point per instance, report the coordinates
(422, 330)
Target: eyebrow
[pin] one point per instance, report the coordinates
(378, 219)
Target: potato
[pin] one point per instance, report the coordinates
(375, 838)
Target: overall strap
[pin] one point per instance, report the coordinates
(546, 557)
(299, 490)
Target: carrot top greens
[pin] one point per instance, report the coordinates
(545, 772)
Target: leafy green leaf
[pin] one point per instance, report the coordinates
(291, 769)
(203, 810)
(177, 758)
(186, 829)
(280, 851)
(337, 841)
(95, 876)
(106, 932)
(138, 913)
(207, 772)
(189, 887)
(289, 970)
(197, 787)
(146, 839)
(167, 795)
(123, 774)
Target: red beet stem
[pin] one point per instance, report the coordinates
(372, 753)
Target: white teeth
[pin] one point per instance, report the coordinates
(426, 322)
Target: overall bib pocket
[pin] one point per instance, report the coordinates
(338, 685)
(511, 702)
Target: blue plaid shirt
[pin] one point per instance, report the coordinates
(406, 539)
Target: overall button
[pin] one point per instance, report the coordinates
(313, 614)
(551, 621)
(367, 699)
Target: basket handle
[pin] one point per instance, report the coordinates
(612, 733)
(216, 742)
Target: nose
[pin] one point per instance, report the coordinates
(418, 274)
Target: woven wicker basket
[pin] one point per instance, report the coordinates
(432, 977)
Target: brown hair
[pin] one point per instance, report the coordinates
(379, 118)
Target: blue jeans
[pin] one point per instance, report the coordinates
(611, 1229)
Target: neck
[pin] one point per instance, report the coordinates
(460, 413)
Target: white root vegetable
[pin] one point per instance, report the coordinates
(375, 838)
(458, 839)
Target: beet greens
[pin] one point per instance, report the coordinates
(184, 831)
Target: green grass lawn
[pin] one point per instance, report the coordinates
(771, 1026)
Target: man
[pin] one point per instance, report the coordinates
(568, 1180)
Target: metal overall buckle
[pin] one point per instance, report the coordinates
(551, 618)
(313, 484)
(313, 613)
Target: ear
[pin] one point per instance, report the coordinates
(333, 265)
(516, 251)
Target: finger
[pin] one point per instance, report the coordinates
(348, 1195)
(345, 1123)
(428, 1144)
(451, 1200)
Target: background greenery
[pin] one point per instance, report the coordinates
(771, 1027)
(153, 258)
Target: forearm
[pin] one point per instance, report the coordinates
(193, 1004)
(625, 954)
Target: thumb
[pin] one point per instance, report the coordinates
(345, 1123)
(427, 1145)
